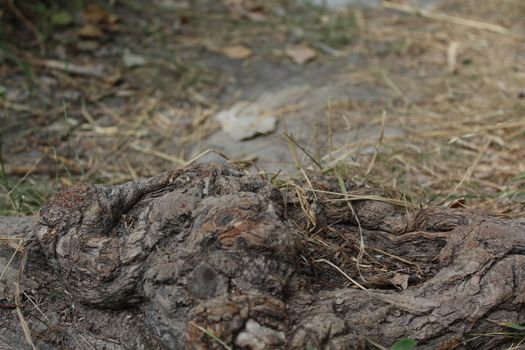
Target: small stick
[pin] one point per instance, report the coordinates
(447, 18)
(28, 24)
(94, 70)
(18, 294)
(378, 144)
(357, 284)
(211, 335)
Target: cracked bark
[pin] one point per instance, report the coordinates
(153, 263)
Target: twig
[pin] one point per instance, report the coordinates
(398, 258)
(159, 154)
(23, 322)
(376, 148)
(17, 249)
(448, 18)
(40, 169)
(397, 202)
(362, 247)
(28, 24)
(85, 340)
(211, 335)
(94, 70)
(342, 273)
(28, 172)
(470, 170)
(376, 344)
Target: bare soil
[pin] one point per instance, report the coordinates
(447, 96)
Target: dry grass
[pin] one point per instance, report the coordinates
(456, 92)
(457, 95)
(465, 134)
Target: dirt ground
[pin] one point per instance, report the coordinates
(123, 90)
(425, 103)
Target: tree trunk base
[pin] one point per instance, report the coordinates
(207, 257)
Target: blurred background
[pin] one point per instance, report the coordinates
(423, 98)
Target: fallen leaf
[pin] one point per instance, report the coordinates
(256, 15)
(239, 9)
(94, 13)
(235, 7)
(237, 52)
(245, 120)
(90, 31)
(87, 45)
(113, 78)
(61, 19)
(300, 54)
(131, 59)
(400, 280)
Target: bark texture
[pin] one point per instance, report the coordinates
(207, 254)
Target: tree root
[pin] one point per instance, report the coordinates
(207, 257)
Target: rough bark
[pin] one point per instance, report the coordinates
(168, 261)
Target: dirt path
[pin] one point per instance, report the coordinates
(146, 88)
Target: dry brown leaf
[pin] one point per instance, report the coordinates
(245, 9)
(300, 54)
(90, 31)
(237, 52)
(400, 280)
(256, 15)
(94, 13)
